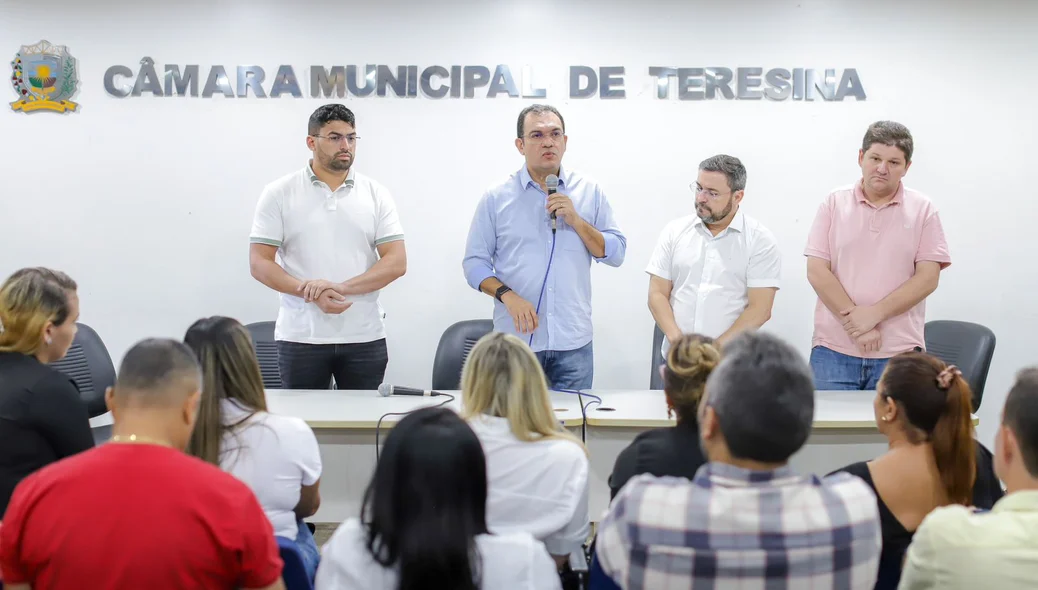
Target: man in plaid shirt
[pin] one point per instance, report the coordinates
(746, 520)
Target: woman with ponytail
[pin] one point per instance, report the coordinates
(923, 408)
(674, 450)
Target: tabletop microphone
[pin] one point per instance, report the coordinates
(386, 390)
(552, 183)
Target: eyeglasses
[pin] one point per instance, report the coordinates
(698, 190)
(336, 138)
(555, 136)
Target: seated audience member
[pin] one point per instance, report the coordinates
(961, 548)
(137, 512)
(675, 450)
(746, 520)
(537, 471)
(44, 419)
(423, 524)
(277, 456)
(923, 408)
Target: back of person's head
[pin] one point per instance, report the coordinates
(931, 402)
(761, 397)
(230, 371)
(158, 378)
(1017, 441)
(690, 361)
(503, 378)
(38, 313)
(427, 501)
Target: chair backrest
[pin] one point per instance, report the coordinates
(454, 347)
(655, 379)
(90, 366)
(968, 346)
(266, 353)
(294, 573)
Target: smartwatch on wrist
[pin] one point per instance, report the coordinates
(501, 291)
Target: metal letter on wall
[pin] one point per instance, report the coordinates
(217, 81)
(285, 81)
(251, 78)
(123, 90)
(181, 86)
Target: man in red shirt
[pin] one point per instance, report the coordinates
(137, 512)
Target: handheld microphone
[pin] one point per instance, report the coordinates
(386, 390)
(553, 187)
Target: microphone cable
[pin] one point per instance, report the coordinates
(378, 425)
(544, 283)
(583, 408)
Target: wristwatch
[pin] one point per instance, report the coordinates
(501, 291)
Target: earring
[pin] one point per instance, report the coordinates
(670, 413)
(47, 339)
(885, 418)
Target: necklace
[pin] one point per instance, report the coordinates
(135, 439)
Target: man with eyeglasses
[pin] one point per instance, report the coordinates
(716, 272)
(340, 242)
(532, 251)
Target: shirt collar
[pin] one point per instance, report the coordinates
(348, 183)
(729, 476)
(738, 223)
(1022, 501)
(526, 180)
(899, 195)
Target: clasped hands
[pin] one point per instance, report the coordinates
(861, 323)
(328, 296)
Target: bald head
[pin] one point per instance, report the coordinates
(157, 372)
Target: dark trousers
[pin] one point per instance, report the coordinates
(312, 366)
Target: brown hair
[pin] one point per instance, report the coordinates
(689, 362)
(29, 300)
(936, 403)
(229, 371)
(891, 134)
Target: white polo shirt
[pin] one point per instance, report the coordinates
(710, 274)
(326, 234)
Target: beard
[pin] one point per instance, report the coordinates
(334, 163)
(710, 216)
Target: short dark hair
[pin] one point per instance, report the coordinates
(1021, 416)
(730, 166)
(153, 366)
(889, 133)
(537, 109)
(328, 113)
(426, 502)
(763, 394)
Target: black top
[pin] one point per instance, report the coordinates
(661, 451)
(42, 419)
(986, 491)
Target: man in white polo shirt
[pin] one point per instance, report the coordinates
(714, 273)
(340, 242)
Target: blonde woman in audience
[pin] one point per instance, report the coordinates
(277, 456)
(424, 525)
(44, 419)
(923, 408)
(674, 450)
(538, 472)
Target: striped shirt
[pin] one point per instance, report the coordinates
(734, 528)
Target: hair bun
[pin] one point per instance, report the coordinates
(693, 356)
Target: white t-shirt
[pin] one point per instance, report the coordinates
(538, 487)
(275, 456)
(331, 235)
(516, 561)
(710, 274)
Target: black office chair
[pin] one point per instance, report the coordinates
(454, 347)
(965, 345)
(655, 379)
(89, 365)
(266, 353)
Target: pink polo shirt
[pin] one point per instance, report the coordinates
(873, 251)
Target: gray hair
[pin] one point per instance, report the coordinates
(889, 133)
(730, 166)
(764, 398)
(537, 109)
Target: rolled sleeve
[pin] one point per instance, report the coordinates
(478, 264)
(268, 226)
(615, 241)
(765, 265)
(818, 236)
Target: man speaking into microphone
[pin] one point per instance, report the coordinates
(530, 247)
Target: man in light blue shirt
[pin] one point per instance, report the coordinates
(511, 243)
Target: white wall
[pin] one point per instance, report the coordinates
(147, 202)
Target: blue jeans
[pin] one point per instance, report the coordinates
(839, 372)
(569, 369)
(308, 547)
